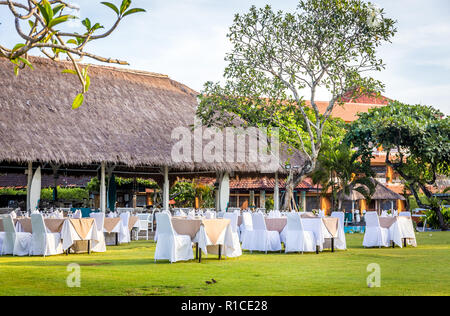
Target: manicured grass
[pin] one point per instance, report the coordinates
(130, 270)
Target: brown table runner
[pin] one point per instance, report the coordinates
(111, 223)
(387, 222)
(82, 226)
(132, 221)
(276, 224)
(53, 225)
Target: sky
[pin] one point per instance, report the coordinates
(186, 39)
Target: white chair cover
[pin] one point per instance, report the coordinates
(77, 214)
(235, 250)
(14, 243)
(298, 239)
(274, 214)
(375, 235)
(171, 246)
(124, 235)
(340, 242)
(247, 224)
(13, 214)
(43, 242)
(261, 239)
(143, 224)
(100, 245)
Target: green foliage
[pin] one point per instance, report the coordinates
(324, 44)
(417, 141)
(185, 192)
(45, 20)
(433, 220)
(269, 203)
(75, 194)
(340, 171)
(11, 191)
(94, 184)
(68, 194)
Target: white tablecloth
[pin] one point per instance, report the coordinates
(402, 228)
(317, 226)
(225, 240)
(69, 235)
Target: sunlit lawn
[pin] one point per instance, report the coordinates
(130, 270)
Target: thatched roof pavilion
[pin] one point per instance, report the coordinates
(381, 193)
(126, 120)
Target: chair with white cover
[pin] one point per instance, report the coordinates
(143, 225)
(124, 235)
(236, 250)
(100, 245)
(246, 226)
(341, 243)
(77, 214)
(43, 242)
(171, 246)
(15, 243)
(274, 214)
(298, 239)
(405, 214)
(375, 235)
(261, 239)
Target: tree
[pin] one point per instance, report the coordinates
(276, 56)
(39, 25)
(341, 172)
(417, 143)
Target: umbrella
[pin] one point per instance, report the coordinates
(112, 192)
(35, 190)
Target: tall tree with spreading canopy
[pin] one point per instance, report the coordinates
(40, 26)
(276, 56)
(417, 143)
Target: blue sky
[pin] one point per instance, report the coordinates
(186, 39)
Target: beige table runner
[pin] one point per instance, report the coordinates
(132, 221)
(82, 226)
(111, 223)
(184, 226)
(190, 227)
(332, 225)
(215, 227)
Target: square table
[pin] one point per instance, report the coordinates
(205, 233)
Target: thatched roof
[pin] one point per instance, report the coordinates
(381, 193)
(127, 118)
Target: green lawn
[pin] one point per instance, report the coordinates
(130, 270)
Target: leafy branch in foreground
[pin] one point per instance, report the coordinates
(43, 30)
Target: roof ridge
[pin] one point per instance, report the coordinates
(113, 68)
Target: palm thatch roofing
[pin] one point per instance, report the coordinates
(127, 119)
(381, 193)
